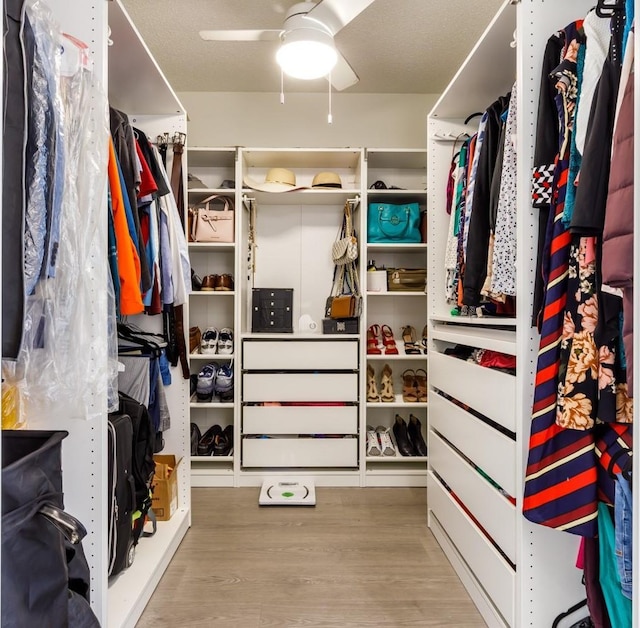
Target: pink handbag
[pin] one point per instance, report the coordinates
(214, 225)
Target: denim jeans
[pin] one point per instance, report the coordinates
(624, 533)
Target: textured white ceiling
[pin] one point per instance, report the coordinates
(395, 46)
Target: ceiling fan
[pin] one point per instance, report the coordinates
(307, 50)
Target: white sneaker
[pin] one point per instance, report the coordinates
(386, 443)
(373, 444)
(225, 341)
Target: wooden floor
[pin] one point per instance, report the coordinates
(361, 557)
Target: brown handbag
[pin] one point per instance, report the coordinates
(406, 279)
(343, 306)
(214, 225)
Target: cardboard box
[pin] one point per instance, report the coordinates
(165, 486)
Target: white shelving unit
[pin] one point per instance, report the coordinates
(518, 574)
(217, 308)
(155, 108)
(407, 169)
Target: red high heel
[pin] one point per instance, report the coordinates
(388, 341)
(372, 340)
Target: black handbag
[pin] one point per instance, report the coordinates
(45, 575)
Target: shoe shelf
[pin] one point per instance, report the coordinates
(213, 293)
(299, 335)
(488, 321)
(397, 458)
(398, 403)
(200, 404)
(212, 458)
(212, 357)
(501, 340)
(401, 356)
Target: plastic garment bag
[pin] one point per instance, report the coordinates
(63, 360)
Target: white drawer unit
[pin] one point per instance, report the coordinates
(491, 393)
(300, 355)
(299, 387)
(488, 448)
(300, 452)
(300, 420)
(495, 513)
(496, 575)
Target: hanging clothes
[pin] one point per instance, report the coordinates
(561, 475)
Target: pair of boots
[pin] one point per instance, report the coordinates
(409, 439)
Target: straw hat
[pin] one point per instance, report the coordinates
(326, 180)
(277, 180)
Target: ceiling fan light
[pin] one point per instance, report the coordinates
(307, 54)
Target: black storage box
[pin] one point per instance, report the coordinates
(272, 310)
(340, 325)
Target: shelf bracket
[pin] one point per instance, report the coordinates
(248, 202)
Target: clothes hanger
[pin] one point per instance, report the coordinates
(139, 340)
(472, 116)
(586, 622)
(608, 8)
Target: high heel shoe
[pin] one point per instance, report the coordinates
(386, 385)
(388, 341)
(415, 434)
(409, 339)
(372, 388)
(421, 385)
(372, 340)
(409, 392)
(424, 339)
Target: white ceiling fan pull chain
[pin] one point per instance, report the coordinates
(281, 86)
(330, 116)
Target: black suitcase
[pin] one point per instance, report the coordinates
(121, 492)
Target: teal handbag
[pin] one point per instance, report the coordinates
(393, 223)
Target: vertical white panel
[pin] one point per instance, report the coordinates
(549, 582)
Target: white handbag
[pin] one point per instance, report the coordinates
(214, 225)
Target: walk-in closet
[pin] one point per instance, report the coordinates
(349, 351)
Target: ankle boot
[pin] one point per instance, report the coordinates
(415, 434)
(402, 437)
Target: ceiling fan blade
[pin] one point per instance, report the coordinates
(336, 14)
(343, 75)
(241, 35)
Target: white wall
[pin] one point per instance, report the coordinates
(259, 120)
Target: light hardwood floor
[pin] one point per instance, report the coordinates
(361, 557)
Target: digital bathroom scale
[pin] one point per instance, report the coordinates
(287, 492)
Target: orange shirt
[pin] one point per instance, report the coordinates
(128, 260)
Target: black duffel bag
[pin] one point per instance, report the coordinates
(45, 575)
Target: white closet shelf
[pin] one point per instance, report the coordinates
(485, 321)
(208, 247)
(420, 357)
(297, 158)
(210, 157)
(397, 196)
(298, 336)
(197, 404)
(197, 195)
(397, 294)
(130, 590)
(404, 159)
(397, 458)
(398, 403)
(213, 357)
(212, 293)
(501, 340)
(199, 459)
(393, 247)
(325, 198)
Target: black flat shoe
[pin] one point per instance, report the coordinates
(402, 437)
(205, 446)
(223, 443)
(415, 434)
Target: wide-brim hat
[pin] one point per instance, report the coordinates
(276, 180)
(327, 180)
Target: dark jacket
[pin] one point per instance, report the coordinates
(479, 226)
